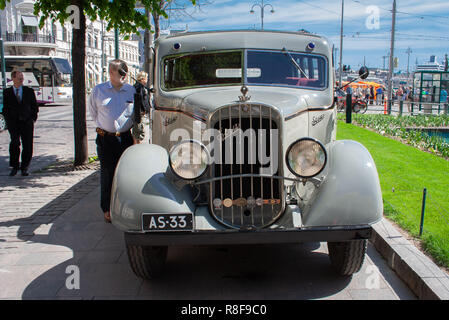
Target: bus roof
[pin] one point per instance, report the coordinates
(32, 57)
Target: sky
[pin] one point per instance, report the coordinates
(421, 25)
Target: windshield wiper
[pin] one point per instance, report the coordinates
(294, 62)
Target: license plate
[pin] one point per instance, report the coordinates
(167, 222)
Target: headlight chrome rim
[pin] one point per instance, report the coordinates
(294, 144)
(177, 145)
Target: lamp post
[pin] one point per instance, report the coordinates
(262, 6)
(2, 53)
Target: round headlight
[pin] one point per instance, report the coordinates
(306, 157)
(189, 159)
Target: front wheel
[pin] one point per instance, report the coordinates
(363, 107)
(347, 257)
(358, 107)
(147, 262)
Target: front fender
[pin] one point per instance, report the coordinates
(350, 193)
(140, 185)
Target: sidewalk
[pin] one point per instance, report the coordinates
(51, 220)
(39, 251)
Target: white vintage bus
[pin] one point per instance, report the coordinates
(50, 77)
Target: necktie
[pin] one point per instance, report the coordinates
(17, 94)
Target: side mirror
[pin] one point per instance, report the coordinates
(363, 73)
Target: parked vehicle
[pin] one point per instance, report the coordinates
(359, 105)
(2, 122)
(245, 152)
(2, 117)
(50, 77)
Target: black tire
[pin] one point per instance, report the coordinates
(347, 257)
(363, 108)
(147, 262)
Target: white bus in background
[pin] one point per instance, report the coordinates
(50, 77)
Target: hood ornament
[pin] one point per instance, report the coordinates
(244, 90)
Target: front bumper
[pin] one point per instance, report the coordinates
(264, 236)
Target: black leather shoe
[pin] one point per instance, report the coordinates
(25, 172)
(13, 172)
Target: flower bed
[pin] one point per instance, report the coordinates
(400, 127)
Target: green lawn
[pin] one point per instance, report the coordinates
(407, 171)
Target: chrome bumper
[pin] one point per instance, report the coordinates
(265, 236)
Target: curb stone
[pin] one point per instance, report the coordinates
(422, 275)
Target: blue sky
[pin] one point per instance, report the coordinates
(422, 25)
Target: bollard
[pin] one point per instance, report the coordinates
(390, 102)
(423, 208)
(401, 105)
(411, 109)
(349, 108)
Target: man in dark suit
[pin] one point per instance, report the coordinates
(20, 110)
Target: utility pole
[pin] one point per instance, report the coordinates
(117, 52)
(147, 49)
(102, 52)
(408, 52)
(391, 71)
(341, 42)
(2, 53)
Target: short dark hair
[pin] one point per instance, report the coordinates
(14, 73)
(118, 64)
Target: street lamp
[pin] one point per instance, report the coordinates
(262, 8)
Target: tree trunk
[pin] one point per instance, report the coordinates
(157, 28)
(79, 88)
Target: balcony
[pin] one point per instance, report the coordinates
(28, 37)
(28, 43)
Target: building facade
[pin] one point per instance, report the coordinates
(22, 36)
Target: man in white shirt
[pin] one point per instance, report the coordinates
(111, 108)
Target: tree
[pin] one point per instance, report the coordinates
(120, 14)
(176, 10)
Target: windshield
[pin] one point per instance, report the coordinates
(63, 76)
(203, 69)
(278, 69)
(263, 68)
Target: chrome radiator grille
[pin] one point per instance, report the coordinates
(248, 142)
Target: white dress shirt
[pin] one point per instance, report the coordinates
(111, 109)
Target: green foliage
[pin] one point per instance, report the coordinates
(404, 172)
(397, 127)
(119, 14)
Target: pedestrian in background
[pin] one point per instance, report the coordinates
(371, 92)
(142, 94)
(379, 95)
(367, 94)
(20, 111)
(111, 108)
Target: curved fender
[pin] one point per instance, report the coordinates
(141, 186)
(350, 193)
